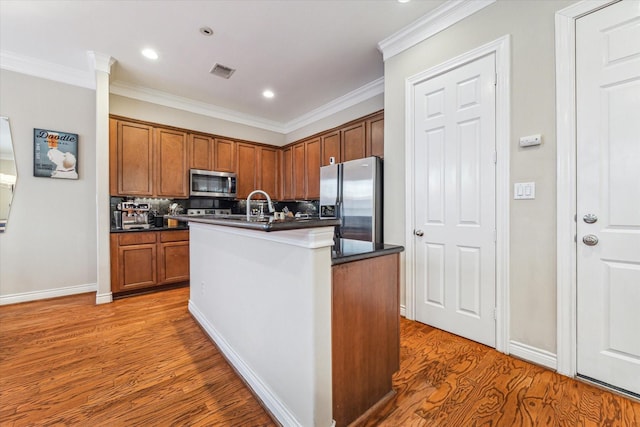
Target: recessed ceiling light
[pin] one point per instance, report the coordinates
(149, 53)
(404, 1)
(206, 31)
(268, 94)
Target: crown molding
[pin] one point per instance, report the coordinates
(430, 24)
(102, 62)
(47, 70)
(352, 98)
(186, 104)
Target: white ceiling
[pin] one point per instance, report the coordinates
(309, 52)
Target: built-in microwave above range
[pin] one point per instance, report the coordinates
(212, 184)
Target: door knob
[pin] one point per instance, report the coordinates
(419, 233)
(590, 218)
(590, 240)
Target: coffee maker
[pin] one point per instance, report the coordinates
(133, 215)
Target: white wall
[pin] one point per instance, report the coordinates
(141, 110)
(50, 241)
(532, 248)
(354, 112)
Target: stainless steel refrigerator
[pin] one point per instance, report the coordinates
(352, 191)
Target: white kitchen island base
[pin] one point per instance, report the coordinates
(265, 300)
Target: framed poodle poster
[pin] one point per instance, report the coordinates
(55, 154)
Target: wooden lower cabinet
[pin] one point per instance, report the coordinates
(365, 333)
(173, 257)
(144, 260)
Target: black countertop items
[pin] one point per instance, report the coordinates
(356, 250)
(266, 224)
(137, 230)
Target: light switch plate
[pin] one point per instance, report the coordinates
(524, 190)
(528, 141)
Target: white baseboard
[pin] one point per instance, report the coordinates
(403, 310)
(264, 393)
(104, 298)
(534, 355)
(48, 293)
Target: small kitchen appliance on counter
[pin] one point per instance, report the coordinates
(133, 215)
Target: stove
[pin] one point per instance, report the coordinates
(208, 211)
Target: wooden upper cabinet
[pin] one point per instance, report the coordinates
(200, 152)
(113, 156)
(353, 142)
(246, 169)
(312, 164)
(133, 159)
(330, 148)
(375, 136)
(299, 171)
(268, 167)
(224, 155)
(172, 170)
(287, 173)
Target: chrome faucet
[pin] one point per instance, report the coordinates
(269, 202)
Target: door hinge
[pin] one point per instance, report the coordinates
(495, 313)
(495, 79)
(495, 157)
(495, 236)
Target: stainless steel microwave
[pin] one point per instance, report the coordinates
(212, 184)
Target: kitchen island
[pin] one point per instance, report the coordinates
(265, 298)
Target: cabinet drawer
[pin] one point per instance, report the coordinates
(174, 236)
(136, 238)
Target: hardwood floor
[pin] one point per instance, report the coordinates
(143, 361)
(446, 380)
(140, 361)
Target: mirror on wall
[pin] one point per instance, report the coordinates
(8, 172)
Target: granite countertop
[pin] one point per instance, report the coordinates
(182, 226)
(348, 250)
(356, 250)
(267, 224)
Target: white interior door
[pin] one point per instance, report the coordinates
(608, 195)
(454, 199)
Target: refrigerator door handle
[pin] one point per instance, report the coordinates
(340, 215)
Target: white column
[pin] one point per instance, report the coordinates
(102, 64)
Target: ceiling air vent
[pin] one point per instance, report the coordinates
(222, 71)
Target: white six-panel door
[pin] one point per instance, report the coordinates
(608, 195)
(454, 199)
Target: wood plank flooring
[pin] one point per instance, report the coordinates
(140, 361)
(143, 361)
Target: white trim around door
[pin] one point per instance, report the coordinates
(501, 49)
(565, 23)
